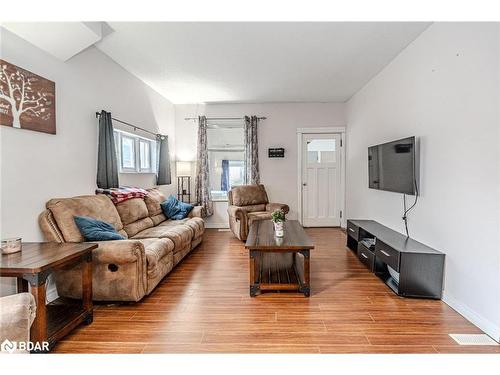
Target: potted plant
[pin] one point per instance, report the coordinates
(278, 218)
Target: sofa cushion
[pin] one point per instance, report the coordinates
(246, 195)
(132, 210)
(98, 207)
(134, 215)
(153, 200)
(157, 219)
(196, 224)
(156, 249)
(96, 230)
(180, 234)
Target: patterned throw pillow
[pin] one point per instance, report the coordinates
(175, 209)
(96, 230)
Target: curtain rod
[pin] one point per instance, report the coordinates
(223, 118)
(98, 114)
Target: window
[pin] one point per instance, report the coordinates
(236, 173)
(135, 154)
(321, 151)
(144, 155)
(226, 157)
(128, 153)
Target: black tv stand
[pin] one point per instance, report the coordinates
(419, 267)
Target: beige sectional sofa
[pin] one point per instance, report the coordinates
(123, 270)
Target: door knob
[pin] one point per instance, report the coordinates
(304, 184)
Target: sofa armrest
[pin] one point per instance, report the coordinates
(119, 273)
(197, 211)
(119, 252)
(277, 206)
(237, 212)
(17, 313)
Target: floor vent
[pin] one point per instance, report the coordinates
(223, 229)
(473, 339)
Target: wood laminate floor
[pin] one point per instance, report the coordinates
(203, 306)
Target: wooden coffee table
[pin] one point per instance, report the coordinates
(279, 263)
(32, 266)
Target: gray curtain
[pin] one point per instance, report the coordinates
(107, 165)
(251, 150)
(202, 176)
(163, 176)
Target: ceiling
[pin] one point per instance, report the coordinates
(257, 62)
(61, 39)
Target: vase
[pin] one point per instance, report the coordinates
(278, 229)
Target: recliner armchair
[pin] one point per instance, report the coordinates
(248, 203)
(17, 313)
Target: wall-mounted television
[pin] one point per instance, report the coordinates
(392, 166)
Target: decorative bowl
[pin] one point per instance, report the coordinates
(11, 245)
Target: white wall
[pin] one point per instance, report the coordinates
(36, 167)
(444, 89)
(279, 130)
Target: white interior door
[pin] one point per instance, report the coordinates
(321, 179)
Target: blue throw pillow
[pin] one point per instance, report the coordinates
(96, 230)
(174, 209)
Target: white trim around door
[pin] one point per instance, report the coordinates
(321, 130)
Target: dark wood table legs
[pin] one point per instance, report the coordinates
(38, 284)
(254, 288)
(305, 285)
(279, 271)
(22, 285)
(87, 288)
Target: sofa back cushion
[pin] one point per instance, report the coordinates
(98, 207)
(247, 195)
(153, 201)
(134, 215)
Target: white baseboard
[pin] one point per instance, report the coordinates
(488, 327)
(216, 225)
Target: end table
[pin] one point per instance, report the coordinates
(32, 266)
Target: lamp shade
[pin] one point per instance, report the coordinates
(183, 168)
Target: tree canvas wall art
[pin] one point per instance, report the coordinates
(27, 101)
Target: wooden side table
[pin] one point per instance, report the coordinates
(32, 266)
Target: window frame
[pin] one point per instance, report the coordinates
(124, 169)
(243, 169)
(149, 156)
(137, 140)
(227, 148)
(220, 198)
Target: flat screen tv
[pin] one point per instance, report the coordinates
(391, 166)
